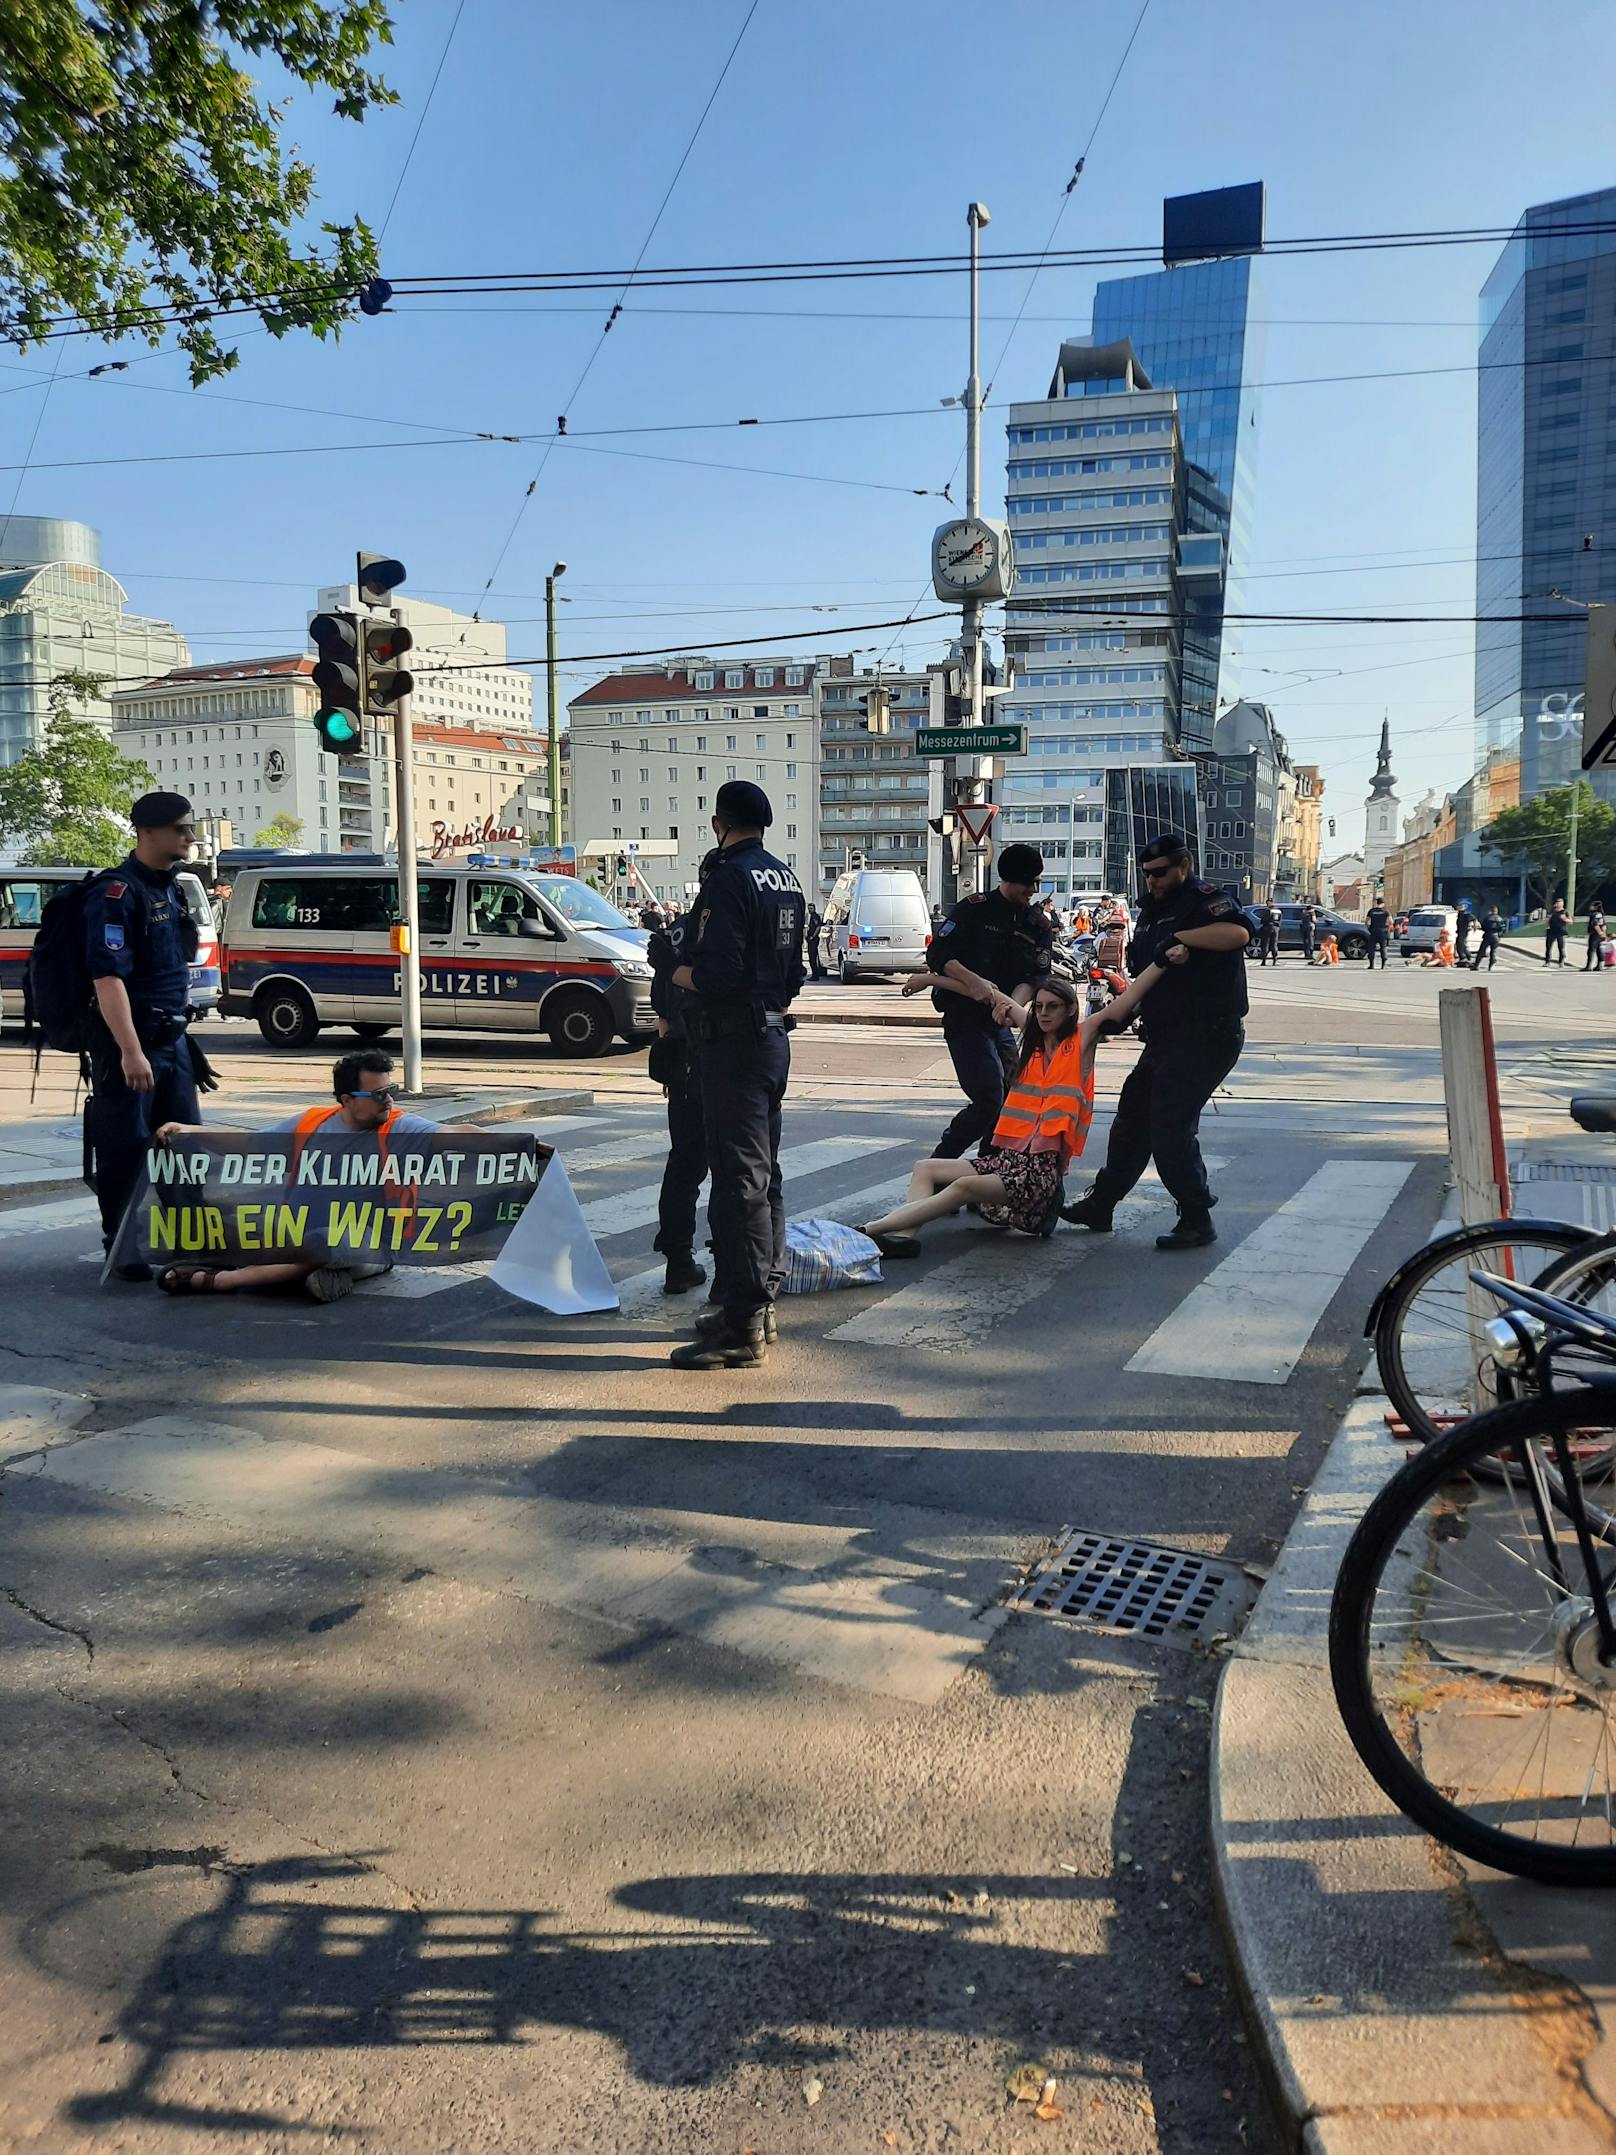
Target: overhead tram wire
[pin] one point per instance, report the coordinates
(466, 284)
(432, 91)
(617, 308)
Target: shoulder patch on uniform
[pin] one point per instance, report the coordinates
(115, 890)
(947, 928)
(1220, 905)
(112, 935)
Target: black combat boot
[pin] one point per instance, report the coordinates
(682, 1273)
(712, 1319)
(728, 1345)
(1193, 1232)
(1091, 1212)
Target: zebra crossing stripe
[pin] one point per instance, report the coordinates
(1248, 1321)
(954, 1306)
(629, 1209)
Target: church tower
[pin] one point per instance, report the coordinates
(1380, 811)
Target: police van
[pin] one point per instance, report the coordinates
(24, 895)
(876, 921)
(310, 942)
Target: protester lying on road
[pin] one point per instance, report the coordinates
(363, 1085)
(1043, 1128)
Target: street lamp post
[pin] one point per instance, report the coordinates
(554, 743)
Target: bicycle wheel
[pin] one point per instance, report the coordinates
(1465, 1646)
(1427, 1314)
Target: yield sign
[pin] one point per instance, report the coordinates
(977, 820)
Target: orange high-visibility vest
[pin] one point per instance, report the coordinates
(316, 1118)
(1052, 1098)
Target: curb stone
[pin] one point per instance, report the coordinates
(1382, 2026)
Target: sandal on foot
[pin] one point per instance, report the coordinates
(180, 1279)
(891, 1245)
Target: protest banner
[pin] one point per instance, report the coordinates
(229, 1198)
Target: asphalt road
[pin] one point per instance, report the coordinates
(433, 1725)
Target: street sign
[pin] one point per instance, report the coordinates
(971, 741)
(1599, 689)
(977, 820)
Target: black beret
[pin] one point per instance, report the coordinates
(743, 805)
(154, 811)
(1166, 845)
(1020, 864)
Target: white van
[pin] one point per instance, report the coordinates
(309, 943)
(876, 921)
(24, 895)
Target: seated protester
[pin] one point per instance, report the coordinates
(363, 1085)
(1043, 1128)
(1443, 953)
(1329, 951)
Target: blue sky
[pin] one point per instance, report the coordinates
(854, 130)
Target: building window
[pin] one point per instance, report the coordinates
(793, 677)
(704, 682)
(729, 742)
(791, 768)
(729, 768)
(701, 744)
(734, 677)
(763, 677)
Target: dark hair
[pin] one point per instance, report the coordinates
(1032, 1038)
(347, 1070)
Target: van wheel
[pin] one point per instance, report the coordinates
(578, 1023)
(372, 1032)
(842, 973)
(286, 1017)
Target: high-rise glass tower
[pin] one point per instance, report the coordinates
(1198, 330)
(1545, 479)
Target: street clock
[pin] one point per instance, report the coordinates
(970, 560)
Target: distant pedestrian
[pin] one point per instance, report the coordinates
(1463, 928)
(1596, 938)
(1492, 929)
(650, 914)
(1268, 920)
(1554, 935)
(1378, 921)
(815, 929)
(1310, 929)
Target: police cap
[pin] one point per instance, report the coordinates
(1021, 864)
(155, 811)
(743, 806)
(1165, 846)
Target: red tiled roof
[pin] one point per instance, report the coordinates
(233, 669)
(516, 742)
(647, 687)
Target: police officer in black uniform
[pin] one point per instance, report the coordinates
(744, 966)
(1194, 1032)
(139, 941)
(673, 1066)
(996, 945)
(1268, 925)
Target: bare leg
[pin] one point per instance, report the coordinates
(249, 1277)
(950, 1186)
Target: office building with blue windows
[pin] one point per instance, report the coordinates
(1128, 493)
(1545, 482)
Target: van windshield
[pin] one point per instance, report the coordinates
(196, 901)
(575, 900)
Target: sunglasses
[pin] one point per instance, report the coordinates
(376, 1092)
(183, 830)
(1154, 875)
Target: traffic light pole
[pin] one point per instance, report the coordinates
(971, 617)
(409, 887)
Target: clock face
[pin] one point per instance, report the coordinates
(967, 554)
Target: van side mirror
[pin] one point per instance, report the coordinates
(537, 929)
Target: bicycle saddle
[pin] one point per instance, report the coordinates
(1593, 1112)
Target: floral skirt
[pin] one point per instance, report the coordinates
(1032, 1182)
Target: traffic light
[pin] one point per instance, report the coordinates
(878, 710)
(622, 865)
(339, 678)
(383, 680)
(379, 576)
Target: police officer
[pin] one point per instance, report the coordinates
(1268, 934)
(995, 945)
(1378, 920)
(139, 941)
(744, 966)
(672, 1065)
(1194, 1032)
(1310, 929)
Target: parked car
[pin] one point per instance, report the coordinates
(1425, 924)
(24, 895)
(876, 921)
(310, 943)
(1352, 937)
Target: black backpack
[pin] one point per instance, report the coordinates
(56, 984)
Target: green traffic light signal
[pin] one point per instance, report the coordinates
(339, 732)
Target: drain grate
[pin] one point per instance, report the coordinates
(1562, 1171)
(1136, 1586)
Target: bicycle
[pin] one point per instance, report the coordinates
(1425, 1323)
(1473, 1624)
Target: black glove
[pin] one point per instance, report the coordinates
(1166, 941)
(202, 1071)
(665, 1060)
(660, 952)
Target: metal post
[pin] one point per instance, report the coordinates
(1571, 849)
(409, 887)
(971, 622)
(551, 690)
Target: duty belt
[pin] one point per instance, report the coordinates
(726, 1023)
